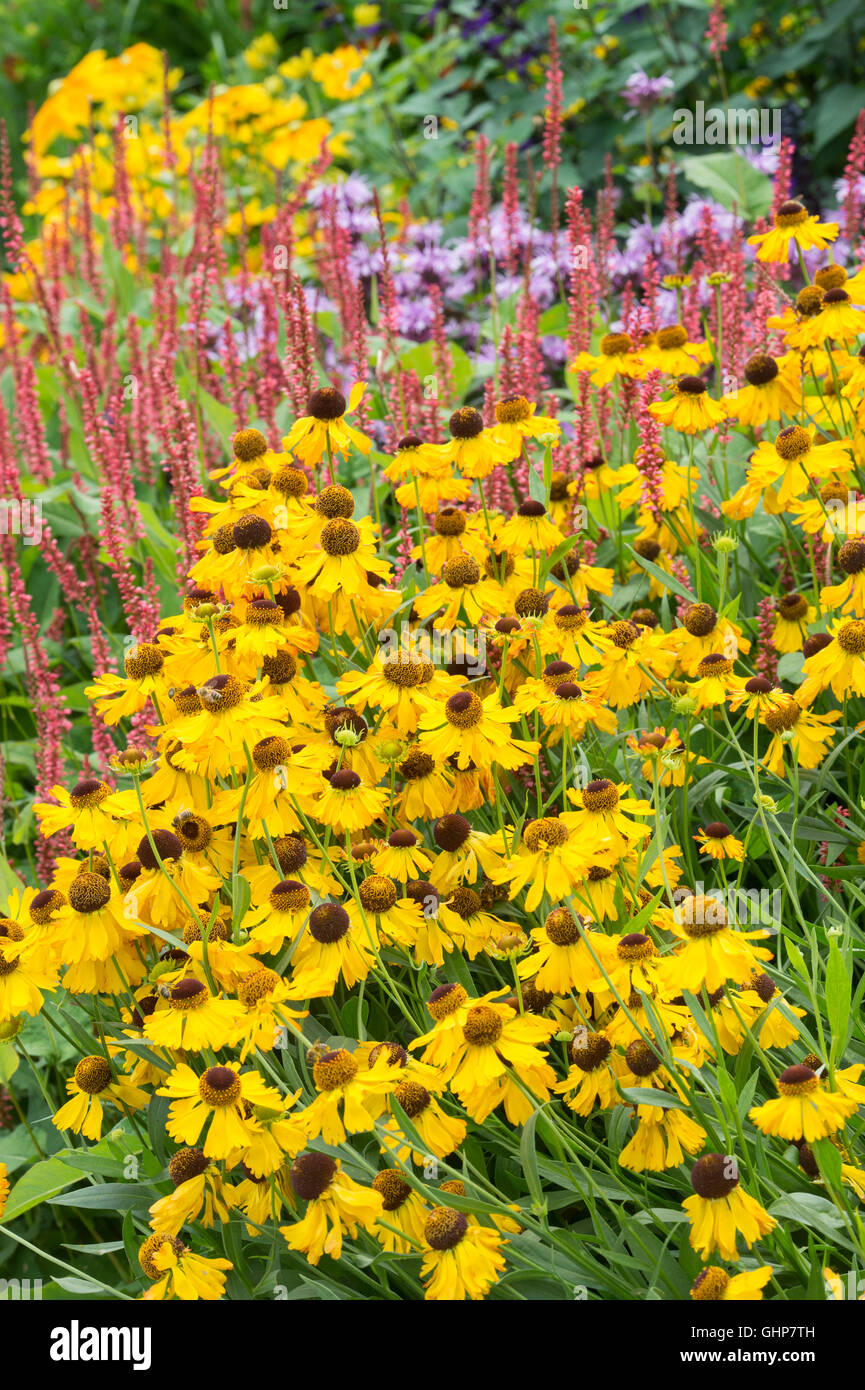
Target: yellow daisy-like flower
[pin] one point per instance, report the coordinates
(605, 816)
(804, 1109)
(402, 1208)
(200, 1193)
(592, 1077)
(516, 422)
(792, 223)
(193, 1019)
(720, 1210)
(460, 1259)
(715, 1285)
(361, 1094)
(719, 842)
(838, 664)
(222, 1096)
(617, 357)
(550, 858)
(92, 1084)
(474, 451)
(769, 392)
(793, 613)
(324, 429)
(713, 951)
(691, 410)
(336, 1205)
(178, 1273)
(474, 731)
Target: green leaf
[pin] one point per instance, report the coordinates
(113, 1196)
(732, 181)
(647, 1095)
(666, 579)
(40, 1184)
(529, 1164)
(828, 1160)
(838, 992)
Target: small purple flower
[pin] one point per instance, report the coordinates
(643, 92)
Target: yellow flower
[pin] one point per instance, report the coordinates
(336, 1205)
(691, 410)
(178, 1273)
(460, 1259)
(323, 429)
(715, 1285)
(93, 1083)
(792, 223)
(720, 1210)
(804, 1109)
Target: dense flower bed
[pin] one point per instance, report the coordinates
(439, 831)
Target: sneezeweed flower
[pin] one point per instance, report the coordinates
(94, 814)
(442, 1134)
(193, 1019)
(26, 974)
(758, 1003)
(550, 858)
(804, 1109)
(462, 592)
(704, 633)
(346, 805)
(713, 951)
(604, 819)
(402, 685)
(691, 410)
(119, 697)
(401, 856)
(592, 1076)
(805, 735)
(200, 1194)
(462, 852)
(460, 1260)
(562, 960)
(360, 1094)
(672, 352)
(769, 393)
(335, 1206)
(494, 1050)
(793, 224)
(719, 842)
(92, 1085)
(222, 1098)
(330, 949)
(781, 471)
(715, 679)
(617, 357)
(516, 422)
(402, 1208)
(721, 1210)
(837, 665)
(473, 450)
(664, 1135)
(476, 731)
(324, 429)
(178, 1273)
(838, 321)
(793, 614)
(715, 1285)
(848, 597)
(529, 529)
